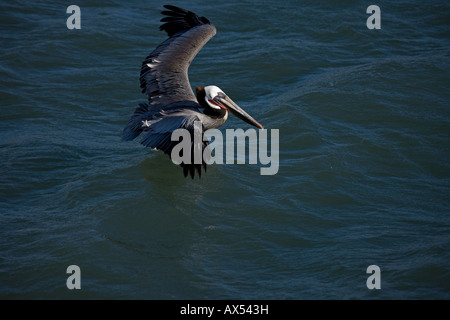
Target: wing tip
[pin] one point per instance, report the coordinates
(175, 8)
(134, 126)
(179, 20)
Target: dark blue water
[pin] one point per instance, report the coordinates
(363, 117)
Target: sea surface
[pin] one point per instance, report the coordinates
(364, 144)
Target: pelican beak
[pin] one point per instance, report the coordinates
(226, 103)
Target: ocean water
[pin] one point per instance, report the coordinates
(364, 144)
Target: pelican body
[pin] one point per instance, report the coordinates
(171, 100)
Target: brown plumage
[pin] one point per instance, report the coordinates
(171, 101)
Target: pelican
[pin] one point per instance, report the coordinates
(171, 100)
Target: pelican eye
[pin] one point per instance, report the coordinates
(220, 95)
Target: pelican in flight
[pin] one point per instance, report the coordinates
(171, 101)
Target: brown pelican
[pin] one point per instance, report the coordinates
(172, 104)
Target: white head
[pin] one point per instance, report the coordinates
(217, 99)
(212, 92)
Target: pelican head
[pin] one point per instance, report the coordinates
(216, 99)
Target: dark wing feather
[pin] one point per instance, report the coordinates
(134, 126)
(164, 79)
(164, 73)
(159, 133)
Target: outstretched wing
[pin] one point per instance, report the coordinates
(159, 131)
(164, 73)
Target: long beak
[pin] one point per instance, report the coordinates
(237, 111)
